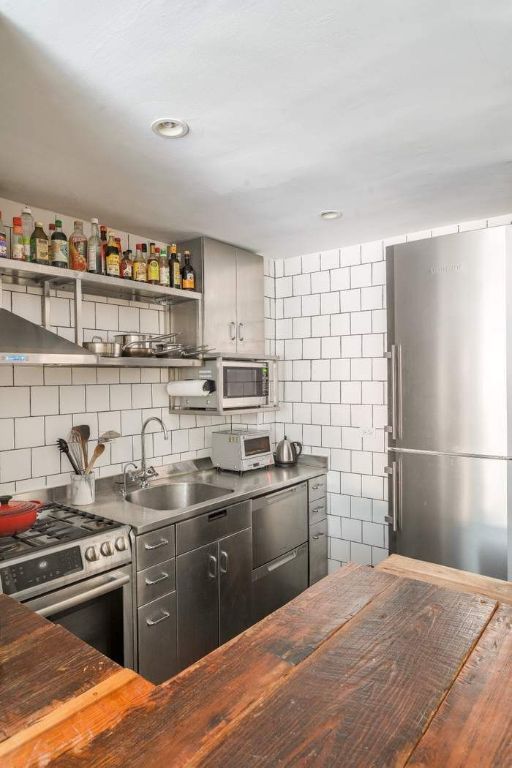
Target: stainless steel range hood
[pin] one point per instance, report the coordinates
(23, 342)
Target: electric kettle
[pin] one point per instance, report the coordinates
(287, 452)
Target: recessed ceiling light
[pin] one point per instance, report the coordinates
(170, 128)
(331, 215)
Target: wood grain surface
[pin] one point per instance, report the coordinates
(473, 727)
(450, 578)
(365, 698)
(194, 707)
(37, 656)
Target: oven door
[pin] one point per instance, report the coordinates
(242, 384)
(98, 610)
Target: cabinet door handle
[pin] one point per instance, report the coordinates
(224, 561)
(232, 331)
(151, 622)
(240, 326)
(160, 543)
(162, 577)
(212, 566)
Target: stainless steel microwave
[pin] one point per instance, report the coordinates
(226, 385)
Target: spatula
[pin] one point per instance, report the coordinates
(95, 456)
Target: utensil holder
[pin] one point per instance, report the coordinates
(82, 489)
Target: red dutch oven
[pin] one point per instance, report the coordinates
(17, 516)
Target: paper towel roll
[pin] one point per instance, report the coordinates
(189, 388)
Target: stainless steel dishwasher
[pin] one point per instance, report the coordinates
(280, 548)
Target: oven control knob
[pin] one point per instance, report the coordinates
(120, 544)
(106, 549)
(91, 554)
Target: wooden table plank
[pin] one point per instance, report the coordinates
(37, 657)
(72, 724)
(368, 693)
(450, 578)
(201, 702)
(473, 727)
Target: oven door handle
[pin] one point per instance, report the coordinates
(110, 584)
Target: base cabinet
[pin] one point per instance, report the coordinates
(213, 583)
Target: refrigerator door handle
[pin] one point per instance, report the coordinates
(392, 519)
(395, 355)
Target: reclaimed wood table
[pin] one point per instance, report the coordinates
(369, 667)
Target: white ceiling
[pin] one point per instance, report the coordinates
(397, 112)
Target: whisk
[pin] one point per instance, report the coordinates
(75, 449)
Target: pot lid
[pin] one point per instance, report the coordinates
(17, 507)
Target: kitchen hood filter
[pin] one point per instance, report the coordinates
(23, 342)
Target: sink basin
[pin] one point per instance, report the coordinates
(175, 495)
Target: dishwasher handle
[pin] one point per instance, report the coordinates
(282, 561)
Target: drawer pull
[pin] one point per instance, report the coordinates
(217, 515)
(279, 495)
(317, 535)
(162, 577)
(319, 509)
(151, 622)
(316, 487)
(160, 543)
(282, 561)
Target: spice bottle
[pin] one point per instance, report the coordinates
(127, 265)
(59, 251)
(78, 248)
(174, 267)
(165, 275)
(153, 266)
(3, 240)
(188, 276)
(112, 258)
(39, 245)
(17, 248)
(139, 265)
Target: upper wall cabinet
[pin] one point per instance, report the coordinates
(233, 299)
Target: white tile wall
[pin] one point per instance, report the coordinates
(38, 404)
(333, 337)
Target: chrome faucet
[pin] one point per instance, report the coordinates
(146, 473)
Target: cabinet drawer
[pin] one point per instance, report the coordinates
(278, 582)
(317, 487)
(201, 530)
(279, 523)
(157, 639)
(155, 581)
(317, 510)
(317, 551)
(155, 547)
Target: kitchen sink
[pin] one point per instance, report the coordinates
(175, 495)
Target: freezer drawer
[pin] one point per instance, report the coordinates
(450, 510)
(317, 551)
(279, 581)
(279, 523)
(157, 639)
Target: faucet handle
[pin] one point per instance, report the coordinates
(151, 472)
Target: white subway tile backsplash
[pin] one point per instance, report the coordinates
(372, 298)
(311, 392)
(330, 303)
(361, 508)
(311, 262)
(97, 397)
(14, 401)
(301, 285)
(29, 432)
(320, 282)
(293, 265)
(292, 307)
(330, 259)
(311, 304)
(27, 375)
(6, 435)
(28, 306)
(361, 276)
(15, 465)
(340, 415)
(372, 251)
(330, 391)
(44, 400)
(45, 461)
(311, 349)
(360, 553)
(340, 279)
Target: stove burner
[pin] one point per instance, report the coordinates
(55, 524)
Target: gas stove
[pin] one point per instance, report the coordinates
(64, 545)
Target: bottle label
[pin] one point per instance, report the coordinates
(165, 275)
(176, 275)
(78, 255)
(91, 257)
(140, 272)
(18, 249)
(59, 252)
(126, 269)
(113, 264)
(189, 283)
(40, 249)
(153, 271)
(3, 246)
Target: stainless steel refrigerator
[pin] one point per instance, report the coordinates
(449, 388)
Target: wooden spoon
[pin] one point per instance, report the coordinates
(95, 456)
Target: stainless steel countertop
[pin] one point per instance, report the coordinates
(110, 504)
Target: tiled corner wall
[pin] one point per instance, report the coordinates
(330, 318)
(39, 404)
